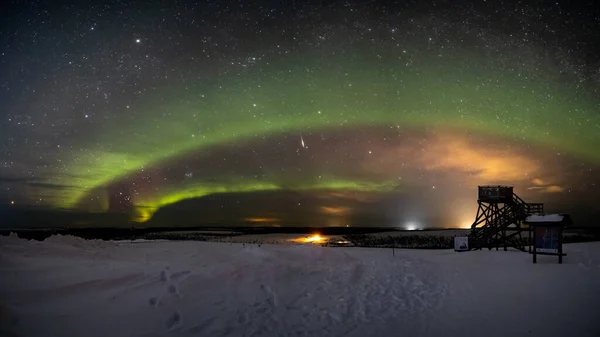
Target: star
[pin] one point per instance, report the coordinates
(135, 109)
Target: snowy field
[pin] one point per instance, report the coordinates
(67, 286)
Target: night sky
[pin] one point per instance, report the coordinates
(312, 113)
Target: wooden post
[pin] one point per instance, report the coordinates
(497, 240)
(504, 237)
(529, 239)
(533, 244)
(560, 254)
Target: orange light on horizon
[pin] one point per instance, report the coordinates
(314, 239)
(311, 239)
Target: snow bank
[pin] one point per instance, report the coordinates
(72, 287)
(74, 241)
(57, 240)
(8, 239)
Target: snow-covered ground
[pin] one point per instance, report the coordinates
(66, 286)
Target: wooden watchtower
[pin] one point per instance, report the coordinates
(499, 220)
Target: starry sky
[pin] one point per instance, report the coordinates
(302, 112)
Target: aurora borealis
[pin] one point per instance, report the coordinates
(330, 113)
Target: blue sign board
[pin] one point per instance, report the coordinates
(547, 239)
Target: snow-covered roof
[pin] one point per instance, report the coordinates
(545, 218)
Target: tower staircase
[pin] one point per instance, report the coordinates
(499, 220)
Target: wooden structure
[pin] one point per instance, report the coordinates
(547, 234)
(499, 220)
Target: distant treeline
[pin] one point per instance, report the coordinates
(175, 236)
(439, 241)
(358, 237)
(402, 241)
(132, 233)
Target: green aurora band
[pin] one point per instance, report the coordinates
(147, 206)
(467, 93)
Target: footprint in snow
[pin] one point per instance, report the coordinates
(173, 290)
(174, 321)
(171, 285)
(164, 275)
(271, 296)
